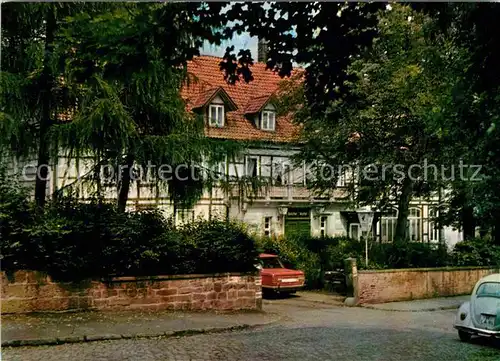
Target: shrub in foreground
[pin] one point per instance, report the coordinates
(72, 241)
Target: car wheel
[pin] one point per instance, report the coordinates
(464, 336)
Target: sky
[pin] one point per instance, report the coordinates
(243, 41)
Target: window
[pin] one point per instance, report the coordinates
(219, 170)
(278, 171)
(184, 216)
(489, 289)
(388, 225)
(267, 226)
(298, 174)
(268, 120)
(433, 226)
(414, 223)
(216, 115)
(252, 167)
(322, 226)
(341, 180)
(265, 167)
(355, 231)
(272, 263)
(309, 173)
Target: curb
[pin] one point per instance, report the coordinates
(111, 337)
(420, 310)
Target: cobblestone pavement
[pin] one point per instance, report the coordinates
(320, 332)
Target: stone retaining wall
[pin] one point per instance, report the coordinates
(30, 291)
(379, 286)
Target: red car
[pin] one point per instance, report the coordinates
(277, 278)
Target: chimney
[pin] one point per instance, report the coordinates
(262, 51)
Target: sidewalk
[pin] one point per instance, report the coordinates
(50, 329)
(431, 304)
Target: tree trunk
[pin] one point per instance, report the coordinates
(210, 204)
(125, 183)
(468, 222)
(496, 230)
(496, 235)
(401, 232)
(46, 84)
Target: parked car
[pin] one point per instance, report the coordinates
(277, 278)
(481, 315)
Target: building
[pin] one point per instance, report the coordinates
(245, 112)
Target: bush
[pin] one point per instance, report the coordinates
(408, 255)
(316, 255)
(294, 255)
(15, 215)
(73, 241)
(476, 252)
(220, 245)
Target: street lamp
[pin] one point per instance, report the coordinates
(365, 218)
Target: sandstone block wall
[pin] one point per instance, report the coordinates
(31, 291)
(379, 286)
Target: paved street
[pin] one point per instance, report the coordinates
(307, 332)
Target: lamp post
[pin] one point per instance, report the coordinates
(365, 221)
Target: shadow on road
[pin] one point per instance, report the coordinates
(271, 295)
(489, 342)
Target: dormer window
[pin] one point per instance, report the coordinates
(268, 120)
(216, 115)
(214, 103)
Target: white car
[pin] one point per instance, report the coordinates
(481, 315)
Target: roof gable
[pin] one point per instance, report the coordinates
(247, 97)
(208, 96)
(256, 104)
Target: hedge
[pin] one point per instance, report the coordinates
(71, 241)
(316, 255)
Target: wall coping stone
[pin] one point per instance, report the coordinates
(430, 269)
(174, 277)
(112, 279)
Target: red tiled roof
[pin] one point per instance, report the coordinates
(207, 96)
(207, 76)
(204, 97)
(256, 104)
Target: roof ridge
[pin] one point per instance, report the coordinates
(222, 58)
(262, 96)
(248, 98)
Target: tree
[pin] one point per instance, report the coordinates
(390, 127)
(32, 95)
(474, 132)
(112, 69)
(320, 36)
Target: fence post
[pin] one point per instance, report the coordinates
(351, 279)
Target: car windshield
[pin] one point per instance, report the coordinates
(271, 263)
(489, 289)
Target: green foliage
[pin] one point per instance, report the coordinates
(296, 256)
(220, 245)
(15, 215)
(316, 255)
(73, 241)
(109, 68)
(409, 255)
(476, 252)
